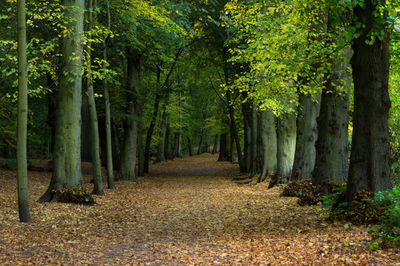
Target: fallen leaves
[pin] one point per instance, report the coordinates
(187, 211)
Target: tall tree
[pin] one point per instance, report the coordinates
(129, 148)
(23, 200)
(94, 126)
(67, 145)
(369, 160)
(110, 168)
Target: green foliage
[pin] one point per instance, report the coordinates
(362, 210)
(388, 228)
(77, 195)
(10, 164)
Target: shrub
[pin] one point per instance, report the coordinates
(78, 195)
(9, 164)
(388, 229)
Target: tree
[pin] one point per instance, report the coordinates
(67, 145)
(369, 160)
(94, 127)
(23, 200)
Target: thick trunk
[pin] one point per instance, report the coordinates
(110, 168)
(189, 143)
(215, 146)
(332, 145)
(269, 144)
(22, 164)
(307, 134)
(369, 160)
(223, 148)
(286, 139)
(94, 126)
(67, 146)
(129, 148)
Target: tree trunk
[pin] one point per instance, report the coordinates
(51, 106)
(200, 145)
(189, 143)
(129, 148)
(178, 145)
(247, 120)
(307, 134)
(22, 165)
(67, 146)
(110, 168)
(369, 160)
(140, 150)
(163, 134)
(223, 149)
(86, 139)
(167, 148)
(255, 165)
(235, 133)
(150, 133)
(269, 144)
(94, 126)
(332, 145)
(286, 139)
(215, 146)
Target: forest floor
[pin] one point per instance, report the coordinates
(187, 211)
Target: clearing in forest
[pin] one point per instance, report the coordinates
(187, 211)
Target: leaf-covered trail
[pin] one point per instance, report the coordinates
(187, 211)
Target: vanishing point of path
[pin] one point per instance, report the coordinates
(186, 212)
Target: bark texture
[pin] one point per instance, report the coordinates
(332, 147)
(22, 164)
(67, 146)
(307, 133)
(369, 160)
(269, 144)
(94, 126)
(129, 147)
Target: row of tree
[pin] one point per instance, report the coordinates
(268, 82)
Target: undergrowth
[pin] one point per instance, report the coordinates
(77, 195)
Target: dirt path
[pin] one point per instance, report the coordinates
(187, 211)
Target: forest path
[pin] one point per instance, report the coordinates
(187, 211)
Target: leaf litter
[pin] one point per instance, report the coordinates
(187, 211)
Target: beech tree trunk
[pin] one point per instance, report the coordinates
(110, 167)
(129, 147)
(200, 145)
(286, 136)
(94, 126)
(22, 164)
(254, 155)
(369, 160)
(215, 146)
(269, 144)
(332, 145)
(247, 120)
(189, 143)
(223, 148)
(163, 134)
(307, 133)
(178, 144)
(67, 146)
